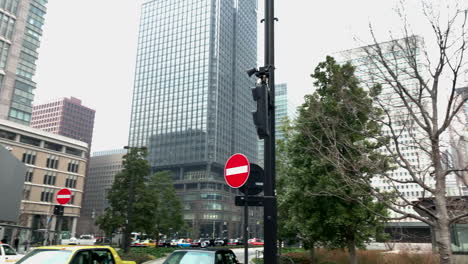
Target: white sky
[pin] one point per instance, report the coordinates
(88, 50)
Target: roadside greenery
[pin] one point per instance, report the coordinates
(324, 256)
(141, 255)
(326, 163)
(155, 208)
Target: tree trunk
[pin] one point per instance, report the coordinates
(443, 240)
(312, 254)
(352, 252)
(444, 245)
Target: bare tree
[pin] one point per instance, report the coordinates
(420, 105)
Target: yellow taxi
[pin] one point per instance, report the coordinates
(73, 255)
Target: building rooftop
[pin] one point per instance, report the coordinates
(43, 133)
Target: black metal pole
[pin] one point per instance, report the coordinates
(270, 214)
(246, 229)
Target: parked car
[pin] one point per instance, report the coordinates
(73, 254)
(233, 242)
(205, 256)
(164, 243)
(174, 242)
(183, 243)
(137, 243)
(8, 254)
(219, 242)
(256, 242)
(148, 243)
(195, 243)
(205, 243)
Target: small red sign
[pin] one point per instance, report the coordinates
(64, 196)
(237, 170)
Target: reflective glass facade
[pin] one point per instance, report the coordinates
(281, 112)
(192, 101)
(21, 24)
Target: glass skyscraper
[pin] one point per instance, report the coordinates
(281, 113)
(192, 102)
(21, 24)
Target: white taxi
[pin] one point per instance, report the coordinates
(8, 254)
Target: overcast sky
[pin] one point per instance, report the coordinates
(88, 50)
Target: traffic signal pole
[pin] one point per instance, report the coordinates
(270, 212)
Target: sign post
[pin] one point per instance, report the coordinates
(236, 174)
(63, 197)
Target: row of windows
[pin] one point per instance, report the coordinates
(10, 6)
(4, 48)
(7, 25)
(51, 177)
(52, 162)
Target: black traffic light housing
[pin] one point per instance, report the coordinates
(260, 117)
(261, 94)
(58, 209)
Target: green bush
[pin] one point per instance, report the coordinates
(140, 255)
(136, 256)
(323, 256)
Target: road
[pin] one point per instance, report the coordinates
(238, 251)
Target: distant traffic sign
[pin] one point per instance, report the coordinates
(236, 170)
(64, 196)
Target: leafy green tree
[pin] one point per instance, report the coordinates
(163, 209)
(327, 161)
(127, 201)
(109, 222)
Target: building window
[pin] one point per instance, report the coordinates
(72, 200)
(29, 157)
(30, 141)
(73, 166)
(73, 151)
(7, 135)
(47, 195)
(70, 182)
(53, 146)
(49, 178)
(26, 192)
(29, 175)
(52, 162)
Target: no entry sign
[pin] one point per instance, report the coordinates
(236, 170)
(64, 196)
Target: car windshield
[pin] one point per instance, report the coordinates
(9, 251)
(46, 256)
(190, 257)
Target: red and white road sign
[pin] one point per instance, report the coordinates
(236, 170)
(64, 196)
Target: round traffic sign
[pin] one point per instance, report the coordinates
(236, 170)
(64, 196)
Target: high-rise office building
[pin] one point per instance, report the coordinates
(192, 101)
(21, 24)
(459, 140)
(103, 166)
(410, 135)
(281, 112)
(66, 117)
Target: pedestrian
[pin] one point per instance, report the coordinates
(26, 244)
(4, 240)
(16, 243)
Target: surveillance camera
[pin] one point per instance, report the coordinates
(252, 72)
